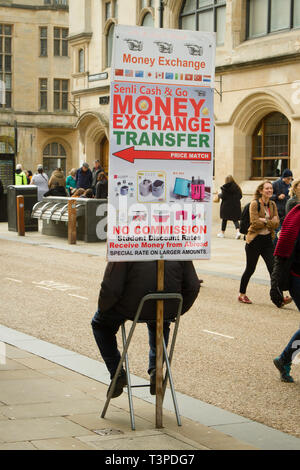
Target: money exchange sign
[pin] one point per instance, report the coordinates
(161, 144)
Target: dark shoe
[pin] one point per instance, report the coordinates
(284, 370)
(153, 382)
(120, 384)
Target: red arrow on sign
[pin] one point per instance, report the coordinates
(130, 155)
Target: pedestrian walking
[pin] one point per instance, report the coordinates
(123, 286)
(71, 182)
(84, 177)
(286, 276)
(57, 177)
(280, 196)
(40, 179)
(102, 186)
(294, 194)
(263, 222)
(20, 176)
(231, 195)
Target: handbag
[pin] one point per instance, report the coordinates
(216, 198)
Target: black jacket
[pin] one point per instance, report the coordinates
(101, 189)
(231, 196)
(57, 191)
(280, 187)
(125, 283)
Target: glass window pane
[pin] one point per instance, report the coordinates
(206, 21)
(57, 32)
(116, 9)
(190, 5)
(7, 47)
(107, 10)
(65, 48)
(65, 85)
(280, 17)
(204, 3)
(43, 32)
(62, 151)
(65, 101)
(7, 30)
(221, 21)
(43, 47)
(296, 13)
(8, 81)
(1, 47)
(257, 168)
(188, 22)
(143, 4)
(56, 101)
(56, 47)
(47, 150)
(109, 43)
(43, 100)
(54, 149)
(1, 60)
(148, 20)
(8, 99)
(56, 84)
(8, 63)
(258, 17)
(81, 60)
(65, 32)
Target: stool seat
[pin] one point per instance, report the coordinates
(167, 357)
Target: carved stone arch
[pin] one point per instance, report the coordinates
(143, 13)
(108, 24)
(255, 106)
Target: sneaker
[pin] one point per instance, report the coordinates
(153, 382)
(284, 370)
(120, 384)
(287, 300)
(238, 235)
(221, 235)
(244, 300)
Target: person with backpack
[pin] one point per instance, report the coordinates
(231, 195)
(263, 222)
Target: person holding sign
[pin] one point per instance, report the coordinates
(123, 286)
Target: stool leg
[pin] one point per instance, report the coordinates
(132, 420)
(169, 375)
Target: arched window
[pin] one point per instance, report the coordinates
(271, 146)
(109, 44)
(148, 20)
(204, 15)
(54, 156)
(81, 60)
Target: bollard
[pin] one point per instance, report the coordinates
(20, 216)
(72, 222)
(159, 346)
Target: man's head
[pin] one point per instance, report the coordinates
(85, 167)
(97, 164)
(19, 166)
(287, 176)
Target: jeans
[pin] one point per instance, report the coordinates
(260, 246)
(293, 346)
(105, 326)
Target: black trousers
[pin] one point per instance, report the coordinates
(261, 246)
(224, 224)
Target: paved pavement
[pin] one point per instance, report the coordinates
(51, 398)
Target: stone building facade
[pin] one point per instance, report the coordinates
(257, 97)
(37, 117)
